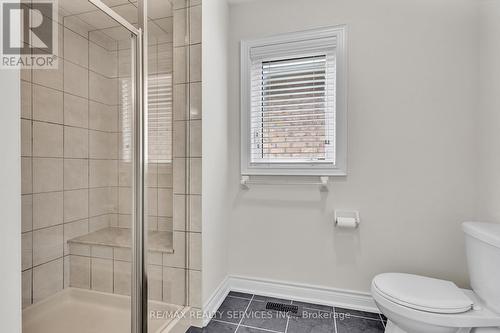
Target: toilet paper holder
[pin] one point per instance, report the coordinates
(347, 219)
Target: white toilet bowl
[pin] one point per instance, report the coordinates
(448, 310)
(417, 304)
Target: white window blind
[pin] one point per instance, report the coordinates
(160, 132)
(293, 104)
(293, 110)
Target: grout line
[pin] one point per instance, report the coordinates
(115, 55)
(69, 93)
(48, 262)
(87, 68)
(362, 317)
(334, 320)
(380, 316)
(73, 126)
(91, 263)
(186, 171)
(64, 134)
(260, 329)
(75, 158)
(186, 45)
(242, 298)
(31, 172)
(246, 326)
(224, 322)
(64, 223)
(244, 314)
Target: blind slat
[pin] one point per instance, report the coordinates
(301, 71)
(271, 91)
(271, 117)
(293, 99)
(287, 83)
(259, 79)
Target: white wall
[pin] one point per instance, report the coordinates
(412, 147)
(10, 202)
(215, 146)
(490, 109)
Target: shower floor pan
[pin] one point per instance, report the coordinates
(81, 311)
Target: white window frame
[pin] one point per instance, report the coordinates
(288, 44)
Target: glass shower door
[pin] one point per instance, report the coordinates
(105, 246)
(133, 162)
(83, 176)
(146, 162)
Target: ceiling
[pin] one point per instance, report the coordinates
(83, 13)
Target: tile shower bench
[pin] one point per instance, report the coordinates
(158, 241)
(101, 260)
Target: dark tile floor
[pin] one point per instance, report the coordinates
(245, 313)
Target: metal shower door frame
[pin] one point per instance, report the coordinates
(139, 285)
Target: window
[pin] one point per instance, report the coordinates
(293, 108)
(160, 129)
(159, 118)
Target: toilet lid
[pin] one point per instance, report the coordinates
(422, 293)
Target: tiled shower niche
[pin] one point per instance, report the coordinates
(76, 160)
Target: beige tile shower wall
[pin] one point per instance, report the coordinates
(187, 146)
(69, 156)
(88, 176)
(108, 269)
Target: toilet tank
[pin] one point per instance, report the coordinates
(482, 243)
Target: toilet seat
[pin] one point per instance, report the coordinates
(479, 316)
(423, 293)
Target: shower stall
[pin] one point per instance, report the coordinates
(111, 170)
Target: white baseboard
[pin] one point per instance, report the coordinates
(214, 302)
(180, 324)
(282, 289)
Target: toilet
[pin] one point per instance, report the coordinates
(418, 304)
